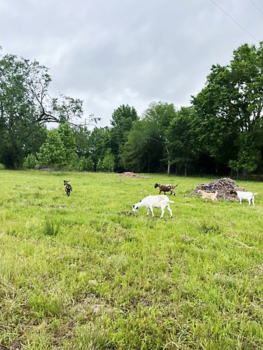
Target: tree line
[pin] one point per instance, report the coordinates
(220, 132)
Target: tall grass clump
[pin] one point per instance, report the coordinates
(51, 228)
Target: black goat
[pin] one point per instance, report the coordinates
(166, 188)
(68, 187)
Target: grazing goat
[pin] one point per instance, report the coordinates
(207, 195)
(166, 188)
(249, 196)
(150, 202)
(68, 187)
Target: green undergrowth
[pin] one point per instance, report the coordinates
(85, 272)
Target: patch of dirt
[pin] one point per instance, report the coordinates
(16, 345)
(225, 187)
(126, 213)
(133, 175)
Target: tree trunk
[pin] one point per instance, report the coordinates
(185, 171)
(168, 161)
(245, 174)
(169, 168)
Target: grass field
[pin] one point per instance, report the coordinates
(84, 272)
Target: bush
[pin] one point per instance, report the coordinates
(89, 164)
(99, 166)
(73, 164)
(2, 167)
(85, 164)
(108, 161)
(30, 162)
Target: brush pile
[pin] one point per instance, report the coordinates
(225, 187)
(133, 175)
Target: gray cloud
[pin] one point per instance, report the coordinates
(127, 52)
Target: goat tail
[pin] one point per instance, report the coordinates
(171, 201)
(255, 194)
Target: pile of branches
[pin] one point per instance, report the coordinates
(225, 187)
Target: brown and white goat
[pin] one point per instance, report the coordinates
(166, 188)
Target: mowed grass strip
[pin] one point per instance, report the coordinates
(84, 272)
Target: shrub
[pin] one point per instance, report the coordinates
(85, 164)
(73, 164)
(30, 162)
(89, 164)
(99, 166)
(108, 161)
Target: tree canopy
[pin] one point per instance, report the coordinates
(221, 130)
(228, 111)
(25, 105)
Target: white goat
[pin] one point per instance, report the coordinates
(249, 196)
(150, 202)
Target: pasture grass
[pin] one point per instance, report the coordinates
(84, 272)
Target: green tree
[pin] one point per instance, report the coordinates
(143, 149)
(182, 139)
(99, 166)
(83, 142)
(89, 164)
(82, 164)
(108, 161)
(99, 143)
(35, 140)
(121, 123)
(249, 157)
(25, 105)
(52, 152)
(159, 116)
(133, 155)
(230, 107)
(68, 139)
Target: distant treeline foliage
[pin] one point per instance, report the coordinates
(221, 130)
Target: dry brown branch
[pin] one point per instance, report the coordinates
(244, 244)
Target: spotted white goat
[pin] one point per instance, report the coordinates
(150, 202)
(249, 196)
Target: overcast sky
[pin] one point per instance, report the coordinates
(114, 52)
